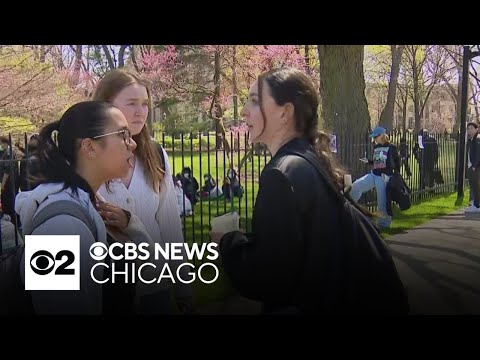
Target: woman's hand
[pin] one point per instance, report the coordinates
(216, 236)
(113, 215)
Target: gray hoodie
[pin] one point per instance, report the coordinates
(87, 300)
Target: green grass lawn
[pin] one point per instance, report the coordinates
(197, 226)
(421, 213)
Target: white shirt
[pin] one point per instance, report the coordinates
(149, 206)
(157, 211)
(138, 198)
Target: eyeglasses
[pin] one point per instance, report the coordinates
(127, 135)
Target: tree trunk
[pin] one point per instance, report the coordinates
(236, 140)
(36, 52)
(43, 53)
(121, 54)
(58, 57)
(216, 112)
(307, 59)
(77, 65)
(475, 102)
(134, 57)
(88, 59)
(234, 84)
(106, 50)
(344, 106)
(458, 110)
(416, 99)
(386, 118)
(404, 115)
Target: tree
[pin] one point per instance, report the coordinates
(344, 106)
(33, 89)
(453, 79)
(404, 88)
(386, 118)
(427, 64)
(342, 86)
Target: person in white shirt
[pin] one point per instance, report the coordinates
(147, 191)
(184, 204)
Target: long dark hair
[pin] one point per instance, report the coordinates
(290, 85)
(59, 142)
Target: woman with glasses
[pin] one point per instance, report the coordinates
(147, 191)
(87, 147)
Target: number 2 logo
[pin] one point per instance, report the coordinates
(42, 262)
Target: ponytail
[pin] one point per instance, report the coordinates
(321, 143)
(55, 166)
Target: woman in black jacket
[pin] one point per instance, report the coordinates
(291, 261)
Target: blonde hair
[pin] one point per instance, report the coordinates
(383, 139)
(106, 90)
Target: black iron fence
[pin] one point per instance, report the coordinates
(428, 166)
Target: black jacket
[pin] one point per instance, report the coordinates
(292, 255)
(474, 151)
(403, 149)
(399, 192)
(427, 156)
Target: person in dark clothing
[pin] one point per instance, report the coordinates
(291, 261)
(473, 172)
(404, 155)
(9, 174)
(385, 161)
(189, 184)
(231, 187)
(427, 159)
(29, 170)
(210, 190)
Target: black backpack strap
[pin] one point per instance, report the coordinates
(162, 155)
(65, 207)
(313, 159)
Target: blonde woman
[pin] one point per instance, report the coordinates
(385, 162)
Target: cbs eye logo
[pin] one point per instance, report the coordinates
(52, 262)
(43, 262)
(98, 251)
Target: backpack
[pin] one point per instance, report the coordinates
(399, 192)
(162, 155)
(18, 301)
(372, 283)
